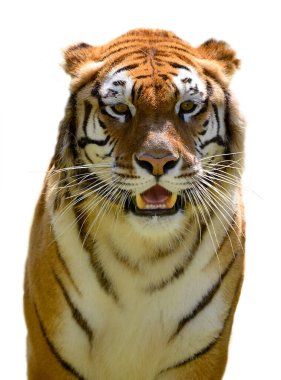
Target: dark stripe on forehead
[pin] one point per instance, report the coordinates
(162, 50)
(126, 48)
(141, 40)
(163, 76)
(126, 68)
(179, 66)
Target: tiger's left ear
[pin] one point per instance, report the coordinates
(222, 53)
(81, 61)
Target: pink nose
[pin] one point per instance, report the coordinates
(157, 165)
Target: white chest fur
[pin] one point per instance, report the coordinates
(133, 325)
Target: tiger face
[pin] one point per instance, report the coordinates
(150, 116)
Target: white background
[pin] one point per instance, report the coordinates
(34, 90)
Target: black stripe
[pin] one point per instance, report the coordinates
(125, 68)
(227, 115)
(77, 316)
(124, 48)
(101, 124)
(216, 116)
(209, 89)
(86, 140)
(214, 341)
(133, 43)
(96, 265)
(178, 45)
(104, 112)
(133, 92)
(71, 128)
(186, 80)
(87, 108)
(163, 76)
(95, 90)
(206, 299)
(88, 157)
(54, 351)
(142, 76)
(65, 267)
(111, 150)
(206, 122)
(121, 83)
(217, 139)
(139, 90)
(124, 260)
(178, 66)
(177, 48)
(102, 276)
(203, 109)
(177, 92)
(179, 271)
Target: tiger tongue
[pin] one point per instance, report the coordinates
(156, 195)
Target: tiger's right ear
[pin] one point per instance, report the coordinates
(82, 61)
(222, 53)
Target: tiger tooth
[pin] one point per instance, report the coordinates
(171, 201)
(140, 202)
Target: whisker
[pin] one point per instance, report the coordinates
(222, 199)
(195, 212)
(212, 205)
(200, 205)
(220, 155)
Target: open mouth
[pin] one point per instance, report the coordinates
(156, 201)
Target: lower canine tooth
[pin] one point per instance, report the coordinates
(140, 202)
(171, 201)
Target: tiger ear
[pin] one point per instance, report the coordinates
(222, 53)
(80, 58)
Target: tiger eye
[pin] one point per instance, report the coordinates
(187, 106)
(121, 108)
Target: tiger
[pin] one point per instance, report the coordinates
(136, 253)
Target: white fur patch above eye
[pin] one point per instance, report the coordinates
(116, 88)
(190, 87)
(189, 82)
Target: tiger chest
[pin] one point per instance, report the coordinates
(135, 323)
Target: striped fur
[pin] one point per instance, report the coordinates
(114, 289)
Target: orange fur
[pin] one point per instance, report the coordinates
(67, 337)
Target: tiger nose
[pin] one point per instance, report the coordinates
(157, 165)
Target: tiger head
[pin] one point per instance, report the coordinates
(150, 120)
